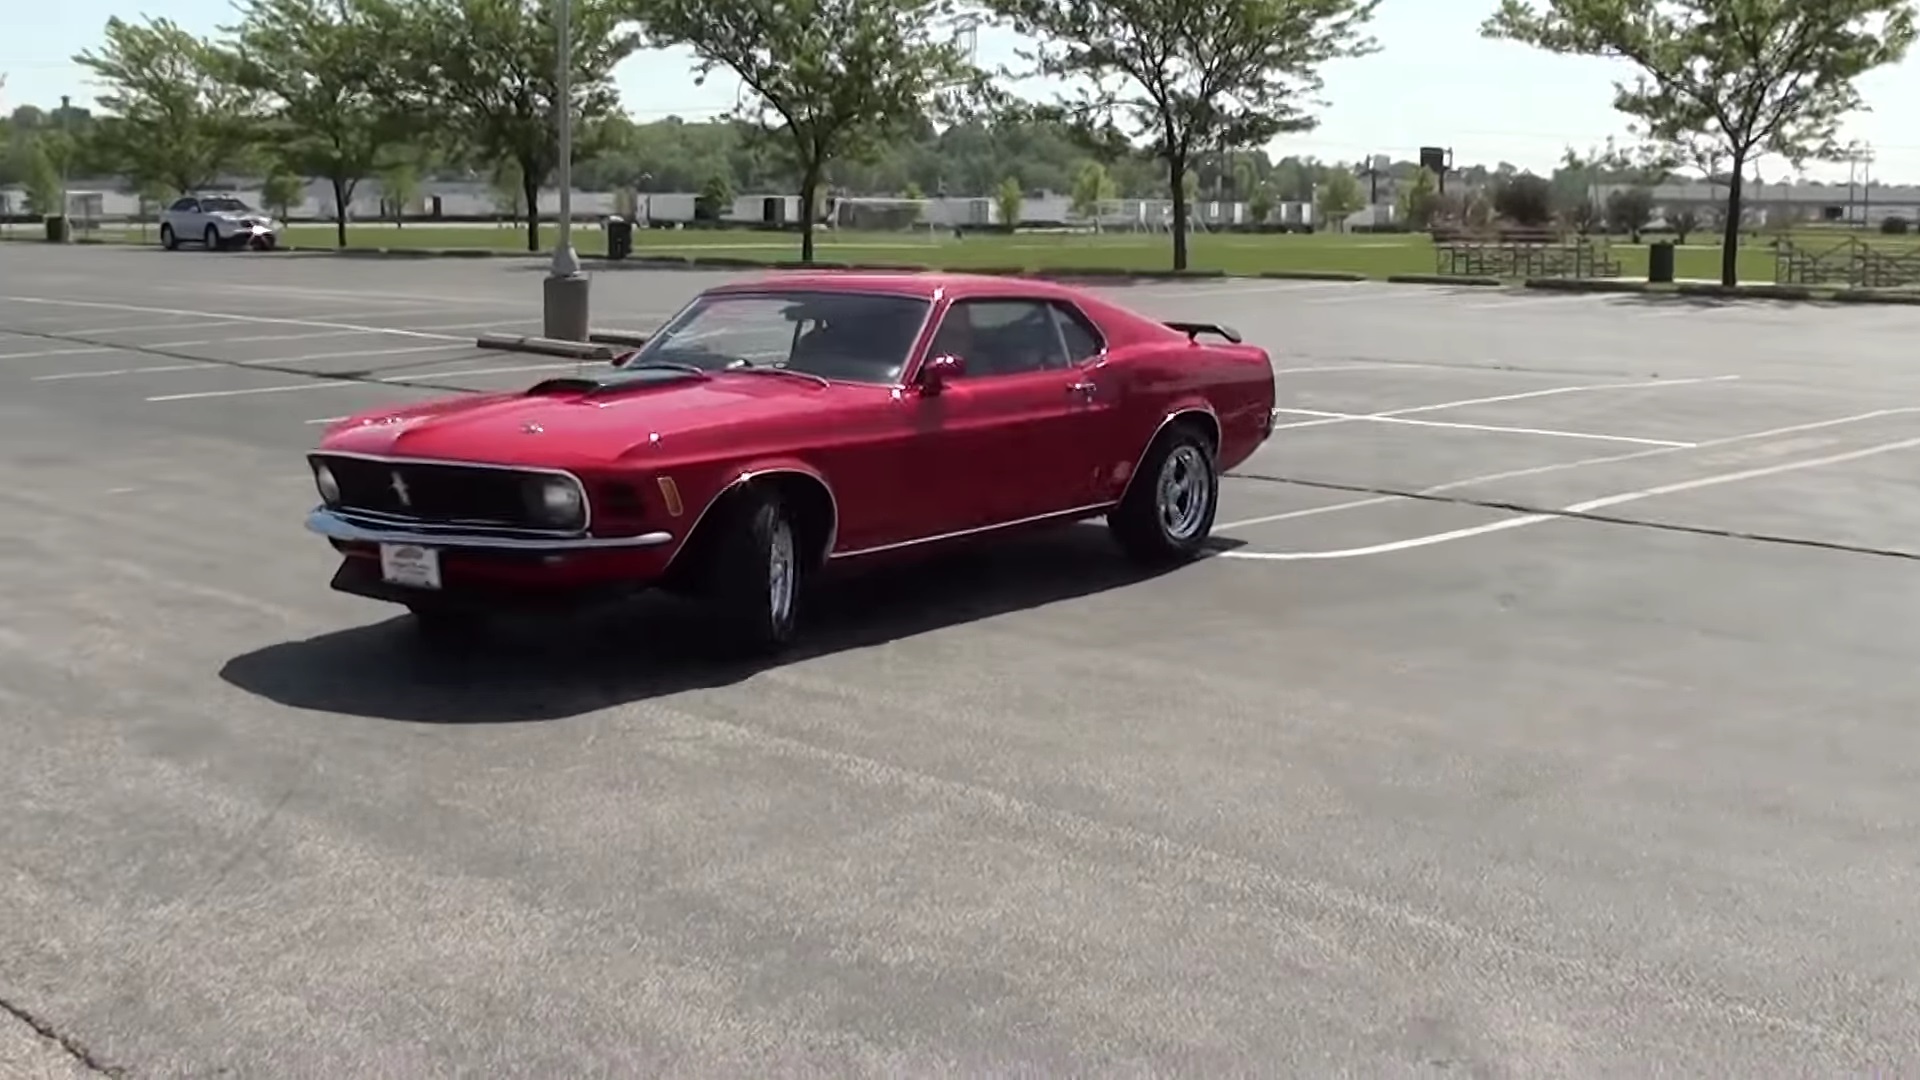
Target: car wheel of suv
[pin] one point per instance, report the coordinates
(167, 239)
(1167, 513)
(756, 575)
(212, 239)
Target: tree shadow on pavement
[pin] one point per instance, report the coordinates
(555, 667)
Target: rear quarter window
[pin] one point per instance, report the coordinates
(1083, 340)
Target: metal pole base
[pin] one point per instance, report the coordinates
(565, 298)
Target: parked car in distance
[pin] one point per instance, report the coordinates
(775, 426)
(217, 222)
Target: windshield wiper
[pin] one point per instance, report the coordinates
(756, 369)
(668, 365)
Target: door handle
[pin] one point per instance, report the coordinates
(1084, 388)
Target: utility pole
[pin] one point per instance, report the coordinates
(66, 157)
(565, 292)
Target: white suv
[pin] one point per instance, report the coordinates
(215, 222)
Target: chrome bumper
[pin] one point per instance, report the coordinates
(337, 526)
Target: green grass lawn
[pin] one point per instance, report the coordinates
(1375, 255)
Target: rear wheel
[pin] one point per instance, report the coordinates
(1168, 512)
(755, 577)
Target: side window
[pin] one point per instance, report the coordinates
(185, 205)
(1001, 337)
(1083, 341)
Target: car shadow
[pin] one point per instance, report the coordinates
(553, 668)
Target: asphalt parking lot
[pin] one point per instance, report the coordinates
(1548, 709)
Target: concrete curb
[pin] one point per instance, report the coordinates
(1312, 275)
(570, 350)
(631, 339)
(1443, 279)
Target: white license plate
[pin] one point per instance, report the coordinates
(407, 564)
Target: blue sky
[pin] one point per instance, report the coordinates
(1435, 82)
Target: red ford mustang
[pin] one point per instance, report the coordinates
(774, 426)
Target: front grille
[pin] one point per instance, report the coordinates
(440, 494)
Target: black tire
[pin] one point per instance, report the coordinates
(168, 241)
(1160, 523)
(211, 238)
(756, 575)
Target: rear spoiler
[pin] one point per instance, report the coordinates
(1193, 330)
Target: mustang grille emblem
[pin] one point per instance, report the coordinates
(399, 487)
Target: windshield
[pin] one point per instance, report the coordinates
(856, 337)
(224, 204)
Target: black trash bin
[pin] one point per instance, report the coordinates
(58, 228)
(1660, 262)
(619, 237)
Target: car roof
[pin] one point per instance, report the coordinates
(924, 284)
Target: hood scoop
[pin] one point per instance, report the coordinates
(639, 377)
(566, 384)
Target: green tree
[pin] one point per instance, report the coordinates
(1420, 199)
(399, 188)
(830, 79)
(1525, 200)
(178, 115)
(1008, 198)
(1744, 77)
(1339, 196)
(1260, 204)
(1190, 75)
(716, 196)
(1092, 185)
(493, 66)
(281, 191)
(1629, 210)
(1685, 223)
(43, 181)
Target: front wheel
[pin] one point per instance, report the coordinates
(1167, 513)
(754, 580)
(212, 239)
(168, 241)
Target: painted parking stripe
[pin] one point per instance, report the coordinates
(334, 384)
(1583, 463)
(276, 361)
(1587, 507)
(1496, 428)
(1499, 398)
(264, 320)
(59, 352)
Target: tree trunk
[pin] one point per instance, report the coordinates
(1730, 239)
(1177, 180)
(341, 194)
(530, 190)
(809, 187)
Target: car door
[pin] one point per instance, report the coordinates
(1003, 441)
(180, 217)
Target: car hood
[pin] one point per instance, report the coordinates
(575, 426)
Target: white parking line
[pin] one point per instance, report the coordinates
(1499, 398)
(1537, 299)
(1499, 428)
(1586, 507)
(321, 334)
(264, 320)
(58, 352)
(275, 361)
(1583, 463)
(1271, 286)
(382, 297)
(334, 384)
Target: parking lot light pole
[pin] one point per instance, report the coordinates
(565, 295)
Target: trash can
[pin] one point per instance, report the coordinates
(58, 228)
(1660, 262)
(619, 237)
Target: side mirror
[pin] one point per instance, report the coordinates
(937, 372)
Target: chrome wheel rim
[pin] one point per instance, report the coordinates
(780, 571)
(1185, 488)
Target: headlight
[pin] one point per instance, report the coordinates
(324, 480)
(557, 501)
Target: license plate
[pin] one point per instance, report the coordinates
(407, 564)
